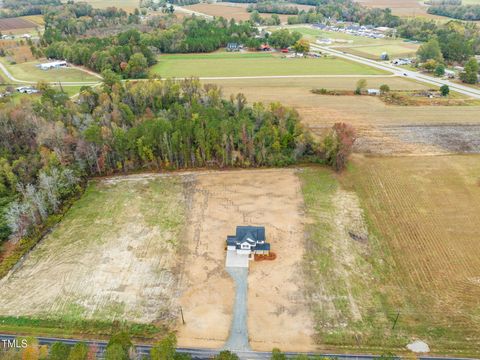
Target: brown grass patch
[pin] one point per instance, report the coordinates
(426, 215)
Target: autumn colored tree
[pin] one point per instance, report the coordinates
(338, 145)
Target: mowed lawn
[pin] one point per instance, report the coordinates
(253, 64)
(424, 217)
(30, 72)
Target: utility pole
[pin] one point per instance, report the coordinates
(396, 319)
(181, 312)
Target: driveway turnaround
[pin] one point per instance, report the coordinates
(238, 338)
(236, 260)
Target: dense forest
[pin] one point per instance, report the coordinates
(272, 8)
(15, 8)
(462, 12)
(131, 52)
(458, 40)
(75, 19)
(306, 17)
(48, 147)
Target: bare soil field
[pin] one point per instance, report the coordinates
(112, 257)
(425, 214)
(15, 24)
(221, 201)
(381, 128)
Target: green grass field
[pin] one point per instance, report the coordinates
(253, 64)
(30, 72)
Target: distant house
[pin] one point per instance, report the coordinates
(382, 28)
(265, 47)
(402, 61)
(373, 91)
(450, 74)
(27, 90)
(53, 65)
(248, 240)
(233, 47)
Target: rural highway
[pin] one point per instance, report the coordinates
(204, 354)
(414, 75)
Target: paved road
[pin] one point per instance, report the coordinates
(204, 354)
(238, 337)
(475, 93)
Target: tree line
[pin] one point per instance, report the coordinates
(462, 12)
(15, 8)
(272, 8)
(48, 147)
(121, 347)
(457, 41)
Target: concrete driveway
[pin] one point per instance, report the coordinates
(238, 338)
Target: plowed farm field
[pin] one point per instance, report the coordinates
(15, 23)
(425, 215)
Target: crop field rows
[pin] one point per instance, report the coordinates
(426, 210)
(15, 23)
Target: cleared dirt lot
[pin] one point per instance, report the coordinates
(278, 315)
(112, 257)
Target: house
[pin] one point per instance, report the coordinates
(27, 90)
(373, 91)
(402, 61)
(248, 240)
(450, 74)
(265, 47)
(382, 29)
(233, 47)
(53, 65)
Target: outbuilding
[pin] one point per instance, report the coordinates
(53, 65)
